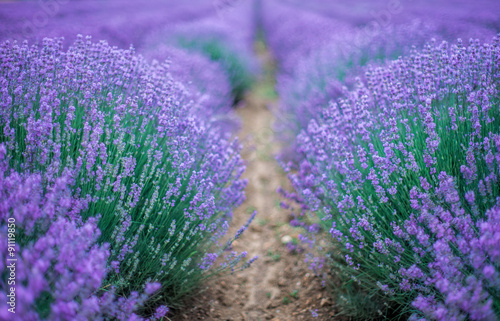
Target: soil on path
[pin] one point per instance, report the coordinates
(279, 285)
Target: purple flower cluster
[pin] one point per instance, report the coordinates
(462, 279)
(137, 160)
(216, 38)
(322, 47)
(404, 171)
(205, 80)
(328, 71)
(57, 267)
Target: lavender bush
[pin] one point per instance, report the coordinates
(205, 79)
(159, 182)
(322, 47)
(216, 38)
(237, 70)
(292, 33)
(326, 72)
(403, 173)
(58, 267)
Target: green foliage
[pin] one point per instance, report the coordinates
(234, 63)
(357, 305)
(274, 256)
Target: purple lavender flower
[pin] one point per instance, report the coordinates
(126, 142)
(427, 244)
(59, 268)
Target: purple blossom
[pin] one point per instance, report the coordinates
(428, 245)
(117, 142)
(62, 258)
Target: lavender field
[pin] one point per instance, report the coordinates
(250, 160)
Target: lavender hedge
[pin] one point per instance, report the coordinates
(452, 19)
(216, 38)
(205, 81)
(404, 173)
(60, 269)
(158, 182)
(329, 70)
(321, 48)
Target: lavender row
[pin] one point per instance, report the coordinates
(320, 51)
(59, 260)
(404, 174)
(453, 19)
(121, 23)
(148, 27)
(205, 83)
(225, 37)
(155, 182)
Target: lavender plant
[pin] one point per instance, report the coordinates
(161, 182)
(292, 33)
(57, 269)
(322, 47)
(206, 82)
(404, 173)
(217, 40)
(328, 71)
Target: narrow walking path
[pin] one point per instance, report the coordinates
(278, 286)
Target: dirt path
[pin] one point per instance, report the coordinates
(278, 286)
